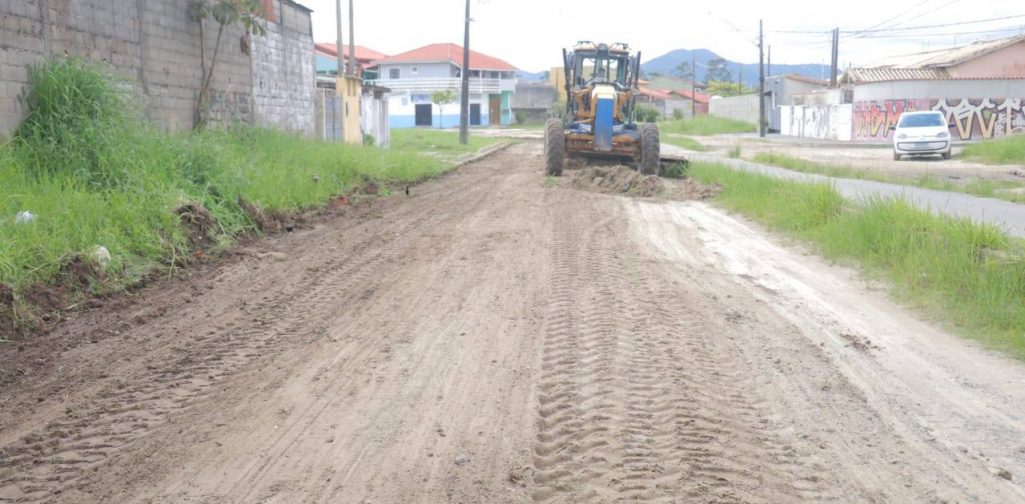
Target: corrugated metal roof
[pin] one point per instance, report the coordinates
(852, 75)
(947, 57)
(930, 65)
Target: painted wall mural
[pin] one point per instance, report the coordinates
(971, 119)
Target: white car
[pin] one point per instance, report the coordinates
(921, 133)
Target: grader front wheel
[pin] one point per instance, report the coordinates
(650, 150)
(555, 147)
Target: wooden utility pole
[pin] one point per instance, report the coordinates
(352, 44)
(693, 86)
(834, 55)
(464, 98)
(339, 76)
(761, 81)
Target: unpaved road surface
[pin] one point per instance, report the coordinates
(495, 339)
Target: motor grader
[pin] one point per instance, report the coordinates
(601, 94)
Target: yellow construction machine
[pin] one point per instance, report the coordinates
(601, 94)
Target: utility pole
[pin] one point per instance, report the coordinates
(693, 86)
(339, 79)
(464, 98)
(352, 43)
(761, 82)
(835, 53)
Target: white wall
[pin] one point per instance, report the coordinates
(825, 122)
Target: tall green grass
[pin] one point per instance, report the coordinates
(969, 275)
(705, 125)
(1007, 150)
(93, 173)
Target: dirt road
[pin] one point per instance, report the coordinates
(493, 338)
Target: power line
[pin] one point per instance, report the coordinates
(906, 28)
(947, 34)
(871, 29)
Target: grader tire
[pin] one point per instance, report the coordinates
(555, 147)
(650, 150)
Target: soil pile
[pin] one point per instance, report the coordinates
(617, 179)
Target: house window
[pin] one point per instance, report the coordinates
(393, 73)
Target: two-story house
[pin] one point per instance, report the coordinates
(412, 76)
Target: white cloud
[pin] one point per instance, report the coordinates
(531, 33)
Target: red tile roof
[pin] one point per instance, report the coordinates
(363, 54)
(653, 93)
(451, 53)
(698, 97)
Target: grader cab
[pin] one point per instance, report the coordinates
(601, 94)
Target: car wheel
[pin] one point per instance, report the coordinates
(946, 155)
(896, 157)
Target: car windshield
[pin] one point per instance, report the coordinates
(921, 120)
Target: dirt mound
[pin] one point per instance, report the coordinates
(617, 179)
(201, 224)
(6, 310)
(690, 189)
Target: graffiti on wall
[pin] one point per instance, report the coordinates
(985, 118)
(872, 119)
(969, 118)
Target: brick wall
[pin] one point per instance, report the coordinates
(154, 46)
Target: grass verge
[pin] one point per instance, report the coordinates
(704, 125)
(684, 141)
(438, 143)
(92, 174)
(969, 275)
(1007, 150)
(999, 189)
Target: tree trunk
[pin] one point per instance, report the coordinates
(204, 90)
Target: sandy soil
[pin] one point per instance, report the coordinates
(493, 338)
(867, 158)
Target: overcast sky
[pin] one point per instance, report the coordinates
(530, 33)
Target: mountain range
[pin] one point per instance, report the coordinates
(667, 63)
(748, 72)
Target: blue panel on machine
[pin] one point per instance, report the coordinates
(604, 116)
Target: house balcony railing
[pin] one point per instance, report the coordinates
(427, 85)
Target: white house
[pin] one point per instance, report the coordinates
(412, 76)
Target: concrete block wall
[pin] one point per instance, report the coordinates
(154, 46)
(284, 72)
(742, 108)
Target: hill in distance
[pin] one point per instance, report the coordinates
(666, 64)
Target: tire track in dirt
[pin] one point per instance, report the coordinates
(639, 398)
(115, 418)
(70, 448)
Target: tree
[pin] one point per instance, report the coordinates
(442, 98)
(717, 71)
(546, 75)
(727, 88)
(655, 75)
(244, 13)
(684, 70)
